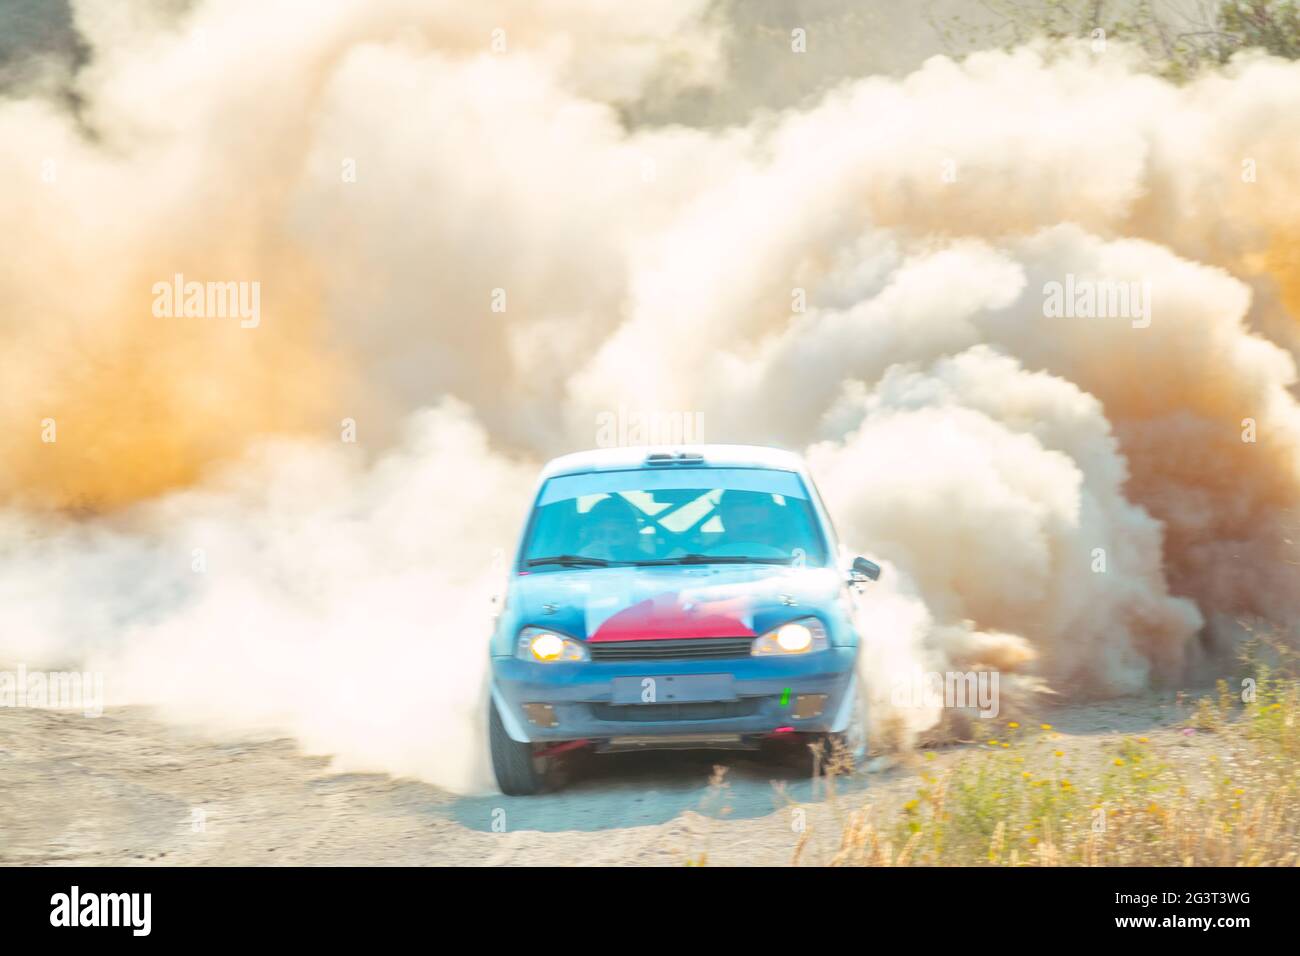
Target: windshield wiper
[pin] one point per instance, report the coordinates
(571, 561)
(713, 559)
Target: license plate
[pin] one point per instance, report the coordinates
(677, 689)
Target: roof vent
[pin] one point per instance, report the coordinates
(661, 458)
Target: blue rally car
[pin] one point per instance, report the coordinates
(685, 598)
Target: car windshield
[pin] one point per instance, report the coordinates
(686, 516)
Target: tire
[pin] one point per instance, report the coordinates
(822, 751)
(795, 753)
(519, 773)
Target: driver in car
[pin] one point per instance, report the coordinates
(748, 523)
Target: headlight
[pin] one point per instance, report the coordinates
(548, 647)
(798, 637)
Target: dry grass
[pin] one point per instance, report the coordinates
(1023, 799)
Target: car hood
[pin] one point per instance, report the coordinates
(675, 602)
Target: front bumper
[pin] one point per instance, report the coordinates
(763, 698)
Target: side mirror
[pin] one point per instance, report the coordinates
(863, 571)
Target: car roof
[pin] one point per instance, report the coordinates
(673, 456)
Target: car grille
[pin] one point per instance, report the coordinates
(648, 712)
(690, 649)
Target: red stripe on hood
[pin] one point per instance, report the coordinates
(666, 617)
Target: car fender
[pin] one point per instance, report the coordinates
(509, 720)
(848, 707)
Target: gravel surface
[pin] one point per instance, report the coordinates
(126, 788)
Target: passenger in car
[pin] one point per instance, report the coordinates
(612, 531)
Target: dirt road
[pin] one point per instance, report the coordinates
(128, 789)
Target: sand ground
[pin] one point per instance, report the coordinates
(126, 788)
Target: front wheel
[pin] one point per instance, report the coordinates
(807, 754)
(519, 771)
